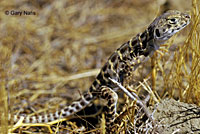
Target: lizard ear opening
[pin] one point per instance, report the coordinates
(157, 33)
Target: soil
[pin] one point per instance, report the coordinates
(177, 117)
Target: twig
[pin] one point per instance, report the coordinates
(134, 97)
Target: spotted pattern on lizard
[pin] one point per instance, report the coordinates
(119, 66)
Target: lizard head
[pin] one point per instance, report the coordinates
(169, 23)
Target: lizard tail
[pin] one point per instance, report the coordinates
(63, 113)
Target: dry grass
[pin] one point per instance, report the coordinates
(45, 59)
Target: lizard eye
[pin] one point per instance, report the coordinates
(172, 21)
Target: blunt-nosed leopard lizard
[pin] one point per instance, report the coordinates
(120, 64)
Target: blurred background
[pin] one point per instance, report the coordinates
(52, 53)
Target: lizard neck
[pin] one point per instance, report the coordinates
(143, 45)
(125, 60)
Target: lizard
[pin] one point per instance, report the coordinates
(119, 66)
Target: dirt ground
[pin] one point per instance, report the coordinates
(177, 117)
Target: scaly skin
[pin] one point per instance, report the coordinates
(120, 64)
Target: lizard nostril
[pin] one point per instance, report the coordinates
(187, 16)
